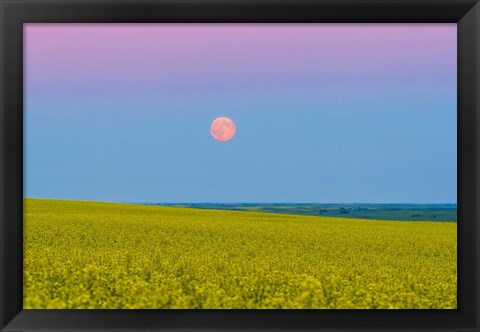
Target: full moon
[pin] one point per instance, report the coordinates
(223, 129)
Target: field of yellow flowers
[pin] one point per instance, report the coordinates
(105, 255)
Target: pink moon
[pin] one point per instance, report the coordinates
(223, 129)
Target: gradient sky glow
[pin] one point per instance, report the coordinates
(327, 113)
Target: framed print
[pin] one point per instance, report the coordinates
(177, 166)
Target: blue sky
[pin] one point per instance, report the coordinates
(373, 120)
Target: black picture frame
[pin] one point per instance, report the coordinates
(466, 13)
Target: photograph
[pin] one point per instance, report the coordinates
(240, 166)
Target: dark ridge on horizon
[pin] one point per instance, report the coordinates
(439, 212)
(286, 203)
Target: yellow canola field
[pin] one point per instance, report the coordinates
(105, 255)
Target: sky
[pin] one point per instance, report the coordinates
(325, 113)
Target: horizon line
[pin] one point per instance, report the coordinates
(245, 202)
